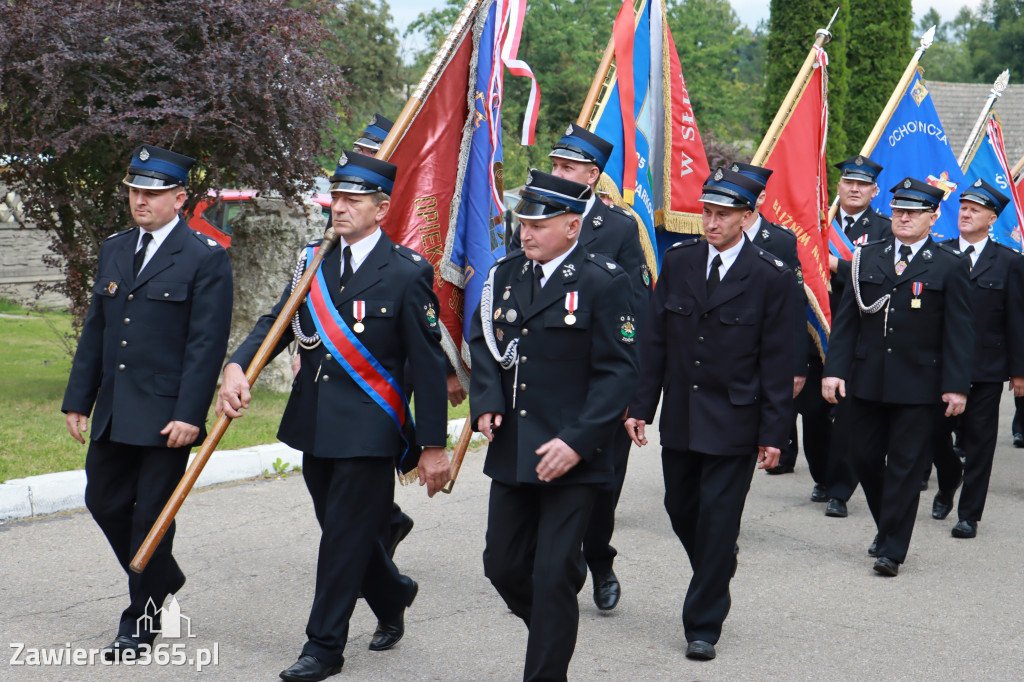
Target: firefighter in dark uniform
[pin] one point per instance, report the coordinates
(997, 299)
(554, 365)
(719, 341)
(371, 308)
(900, 350)
(856, 188)
(781, 243)
(146, 367)
(580, 156)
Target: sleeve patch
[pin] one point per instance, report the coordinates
(627, 329)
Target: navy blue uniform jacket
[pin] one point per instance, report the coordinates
(328, 414)
(912, 354)
(725, 363)
(573, 380)
(151, 349)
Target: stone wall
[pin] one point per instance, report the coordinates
(265, 244)
(22, 247)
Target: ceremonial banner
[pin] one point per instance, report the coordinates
(913, 143)
(797, 196)
(988, 162)
(660, 181)
(447, 201)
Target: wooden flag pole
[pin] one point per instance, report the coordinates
(1017, 167)
(890, 106)
(796, 90)
(409, 112)
(974, 139)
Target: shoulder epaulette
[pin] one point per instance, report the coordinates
(410, 254)
(779, 265)
(604, 263)
(1008, 248)
(208, 242)
(882, 215)
(620, 210)
(951, 249)
(685, 242)
(315, 242)
(119, 234)
(874, 242)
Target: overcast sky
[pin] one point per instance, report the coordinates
(749, 11)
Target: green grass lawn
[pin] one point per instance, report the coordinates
(34, 366)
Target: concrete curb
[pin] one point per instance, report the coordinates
(65, 490)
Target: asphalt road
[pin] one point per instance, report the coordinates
(806, 604)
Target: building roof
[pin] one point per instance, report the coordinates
(959, 105)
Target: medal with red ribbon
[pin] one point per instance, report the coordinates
(572, 301)
(916, 288)
(359, 312)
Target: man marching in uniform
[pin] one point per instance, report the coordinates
(580, 156)
(781, 243)
(146, 366)
(553, 349)
(900, 350)
(370, 309)
(719, 341)
(997, 299)
(861, 224)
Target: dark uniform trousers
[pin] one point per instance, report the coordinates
(349, 444)
(979, 430)
(572, 381)
(725, 365)
(533, 560)
(613, 233)
(127, 487)
(816, 425)
(997, 290)
(350, 498)
(150, 352)
(840, 477)
(897, 363)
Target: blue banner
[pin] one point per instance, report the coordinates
(988, 166)
(914, 144)
(609, 127)
(478, 239)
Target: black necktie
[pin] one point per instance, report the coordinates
(538, 275)
(849, 224)
(346, 265)
(905, 252)
(714, 277)
(140, 255)
(967, 252)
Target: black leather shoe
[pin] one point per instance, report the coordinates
(1018, 440)
(123, 647)
(965, 529)
(606, 589)
(942, 505)
(700, 651)
(309, 669)
(775, 471)
(836, 508)
(390, 632)
(873, 547)
(887, 567)
(819, 494)
(399, 533)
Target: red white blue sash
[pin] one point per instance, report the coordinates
(345, 346)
